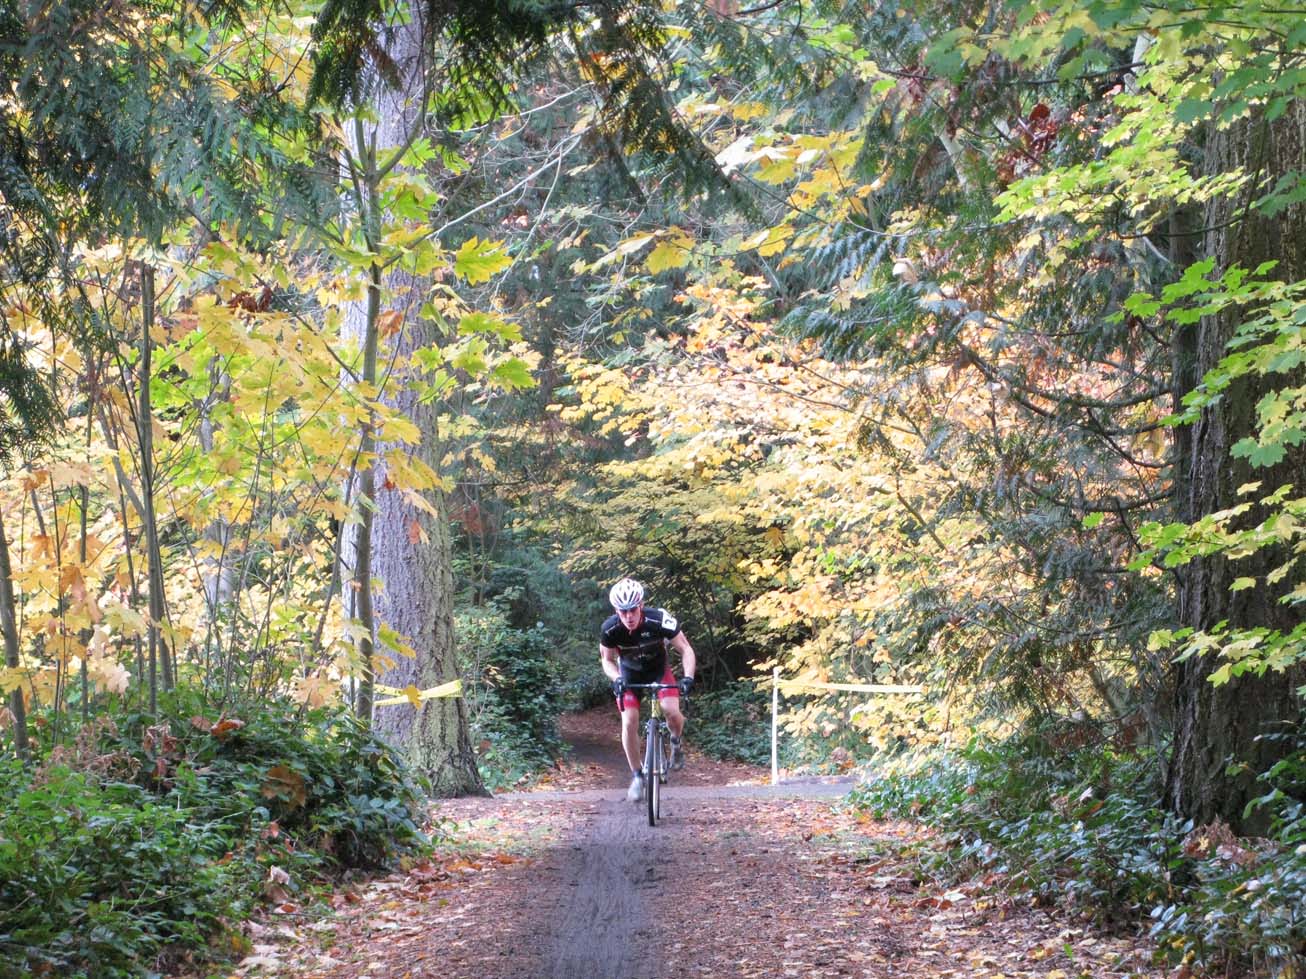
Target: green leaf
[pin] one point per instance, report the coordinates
(474, 323)
(512, 374)
(944, 56)
(1242, 584)
(478, 261)
(670, 253)
(469, 359)
(1194, 281)
(1191, 110)
(1093, 519)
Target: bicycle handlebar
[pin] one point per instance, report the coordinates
(651, 686)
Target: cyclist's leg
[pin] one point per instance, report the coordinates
(671, 705)
(629, 708)
(630, 733)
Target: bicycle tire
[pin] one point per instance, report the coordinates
(652, 795)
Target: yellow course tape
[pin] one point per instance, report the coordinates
(411, 695)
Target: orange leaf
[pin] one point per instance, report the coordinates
(225, 727)
(389, 322)
(415, 532)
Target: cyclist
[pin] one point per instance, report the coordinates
(633, 649)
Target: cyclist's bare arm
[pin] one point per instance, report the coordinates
(608, 660)
(688, 661)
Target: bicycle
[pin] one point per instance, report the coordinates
(657, 748)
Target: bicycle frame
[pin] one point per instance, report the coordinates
(657, 749)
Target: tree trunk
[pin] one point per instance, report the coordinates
(9, 630)
(160, 661)
(409, 549)
(1218, 753)
(411, 553)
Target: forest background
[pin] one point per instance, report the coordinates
(349, 350)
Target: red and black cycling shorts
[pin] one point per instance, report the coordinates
(630, 698)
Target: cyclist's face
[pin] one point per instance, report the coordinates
(631, 617)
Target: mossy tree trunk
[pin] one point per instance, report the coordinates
(1219, 745)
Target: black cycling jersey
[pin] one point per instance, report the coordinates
(645, 648)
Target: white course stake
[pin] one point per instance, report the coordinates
(793, 685)
(775, 727)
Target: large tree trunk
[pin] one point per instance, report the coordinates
(1218, 752)
(410, 549)
(411, 553)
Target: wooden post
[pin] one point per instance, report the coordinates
(775, 727)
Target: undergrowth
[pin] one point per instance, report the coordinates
(514, 695)
(1085, 830)
(143, 843)
(734, 723)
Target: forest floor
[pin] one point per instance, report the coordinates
(738, 879)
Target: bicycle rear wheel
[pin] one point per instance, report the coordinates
(652, 765)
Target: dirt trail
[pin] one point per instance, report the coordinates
(737, 880)
(606, 922)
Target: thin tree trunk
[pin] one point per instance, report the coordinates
(85, 636)
(9, 627)
(85, 505)
(160, 662)
(1219, 749)
(363, 541)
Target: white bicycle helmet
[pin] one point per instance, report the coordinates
(626, 594)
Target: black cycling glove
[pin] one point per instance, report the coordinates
(686, 684)
(618, 687)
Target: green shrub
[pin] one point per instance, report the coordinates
(97, 879)
(334, 791)
(150, 835)
(734, 722)
(511, 678)
(1084, 829)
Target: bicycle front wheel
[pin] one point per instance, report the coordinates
(652, 765)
